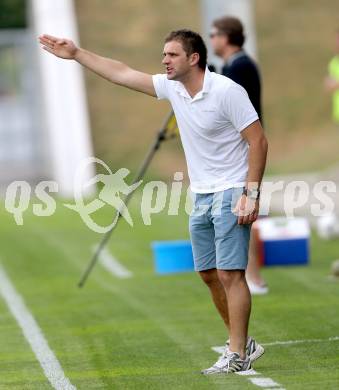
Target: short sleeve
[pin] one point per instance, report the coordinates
(238, 108)
(160, 83)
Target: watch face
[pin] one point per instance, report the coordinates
(254, 194)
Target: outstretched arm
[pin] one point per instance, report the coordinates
(111, 70)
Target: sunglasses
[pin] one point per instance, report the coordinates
(215, 33)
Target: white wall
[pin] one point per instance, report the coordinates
(64, 97)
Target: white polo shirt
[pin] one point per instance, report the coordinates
(210, 126)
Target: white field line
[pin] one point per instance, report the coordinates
(112, 265)
(220, 349)
(254, 376)
(33, 335)
(264, 382)
(269, 383)
(334, 338)
(250, 372)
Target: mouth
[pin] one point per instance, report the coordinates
(169, 70)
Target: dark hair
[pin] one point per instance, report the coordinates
(232, 28)
(191, 43)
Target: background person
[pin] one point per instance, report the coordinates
(332, 80)
(225, 149)
(227, 39)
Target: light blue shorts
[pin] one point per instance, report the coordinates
(217, 239)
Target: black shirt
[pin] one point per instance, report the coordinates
(243, 70)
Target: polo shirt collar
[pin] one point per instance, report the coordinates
(234, 56)
(180, 88)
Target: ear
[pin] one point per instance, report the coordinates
(194, 59)
(224, 39)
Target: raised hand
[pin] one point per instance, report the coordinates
(60, 47)
(112, 70)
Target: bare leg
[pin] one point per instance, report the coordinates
(253, 268)
(210, 277)
(239, 308)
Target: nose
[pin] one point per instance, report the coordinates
(165, 60)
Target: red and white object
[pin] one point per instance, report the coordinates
(284, 241)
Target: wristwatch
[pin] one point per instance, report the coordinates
(253, 193)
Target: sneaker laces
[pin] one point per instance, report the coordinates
(225, 358)
(228, 360)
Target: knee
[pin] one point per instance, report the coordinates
(230, 278)
(210, 277)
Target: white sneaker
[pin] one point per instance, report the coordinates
(228, 363)
(253, 349)
(257, 289)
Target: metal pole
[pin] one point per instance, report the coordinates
(161, 136)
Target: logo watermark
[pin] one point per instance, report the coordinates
(157, 195)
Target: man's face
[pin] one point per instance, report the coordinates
(177, 63)
(218, 41)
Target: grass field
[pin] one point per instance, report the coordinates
(152, 332)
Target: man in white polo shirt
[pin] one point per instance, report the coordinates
(225, 149)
